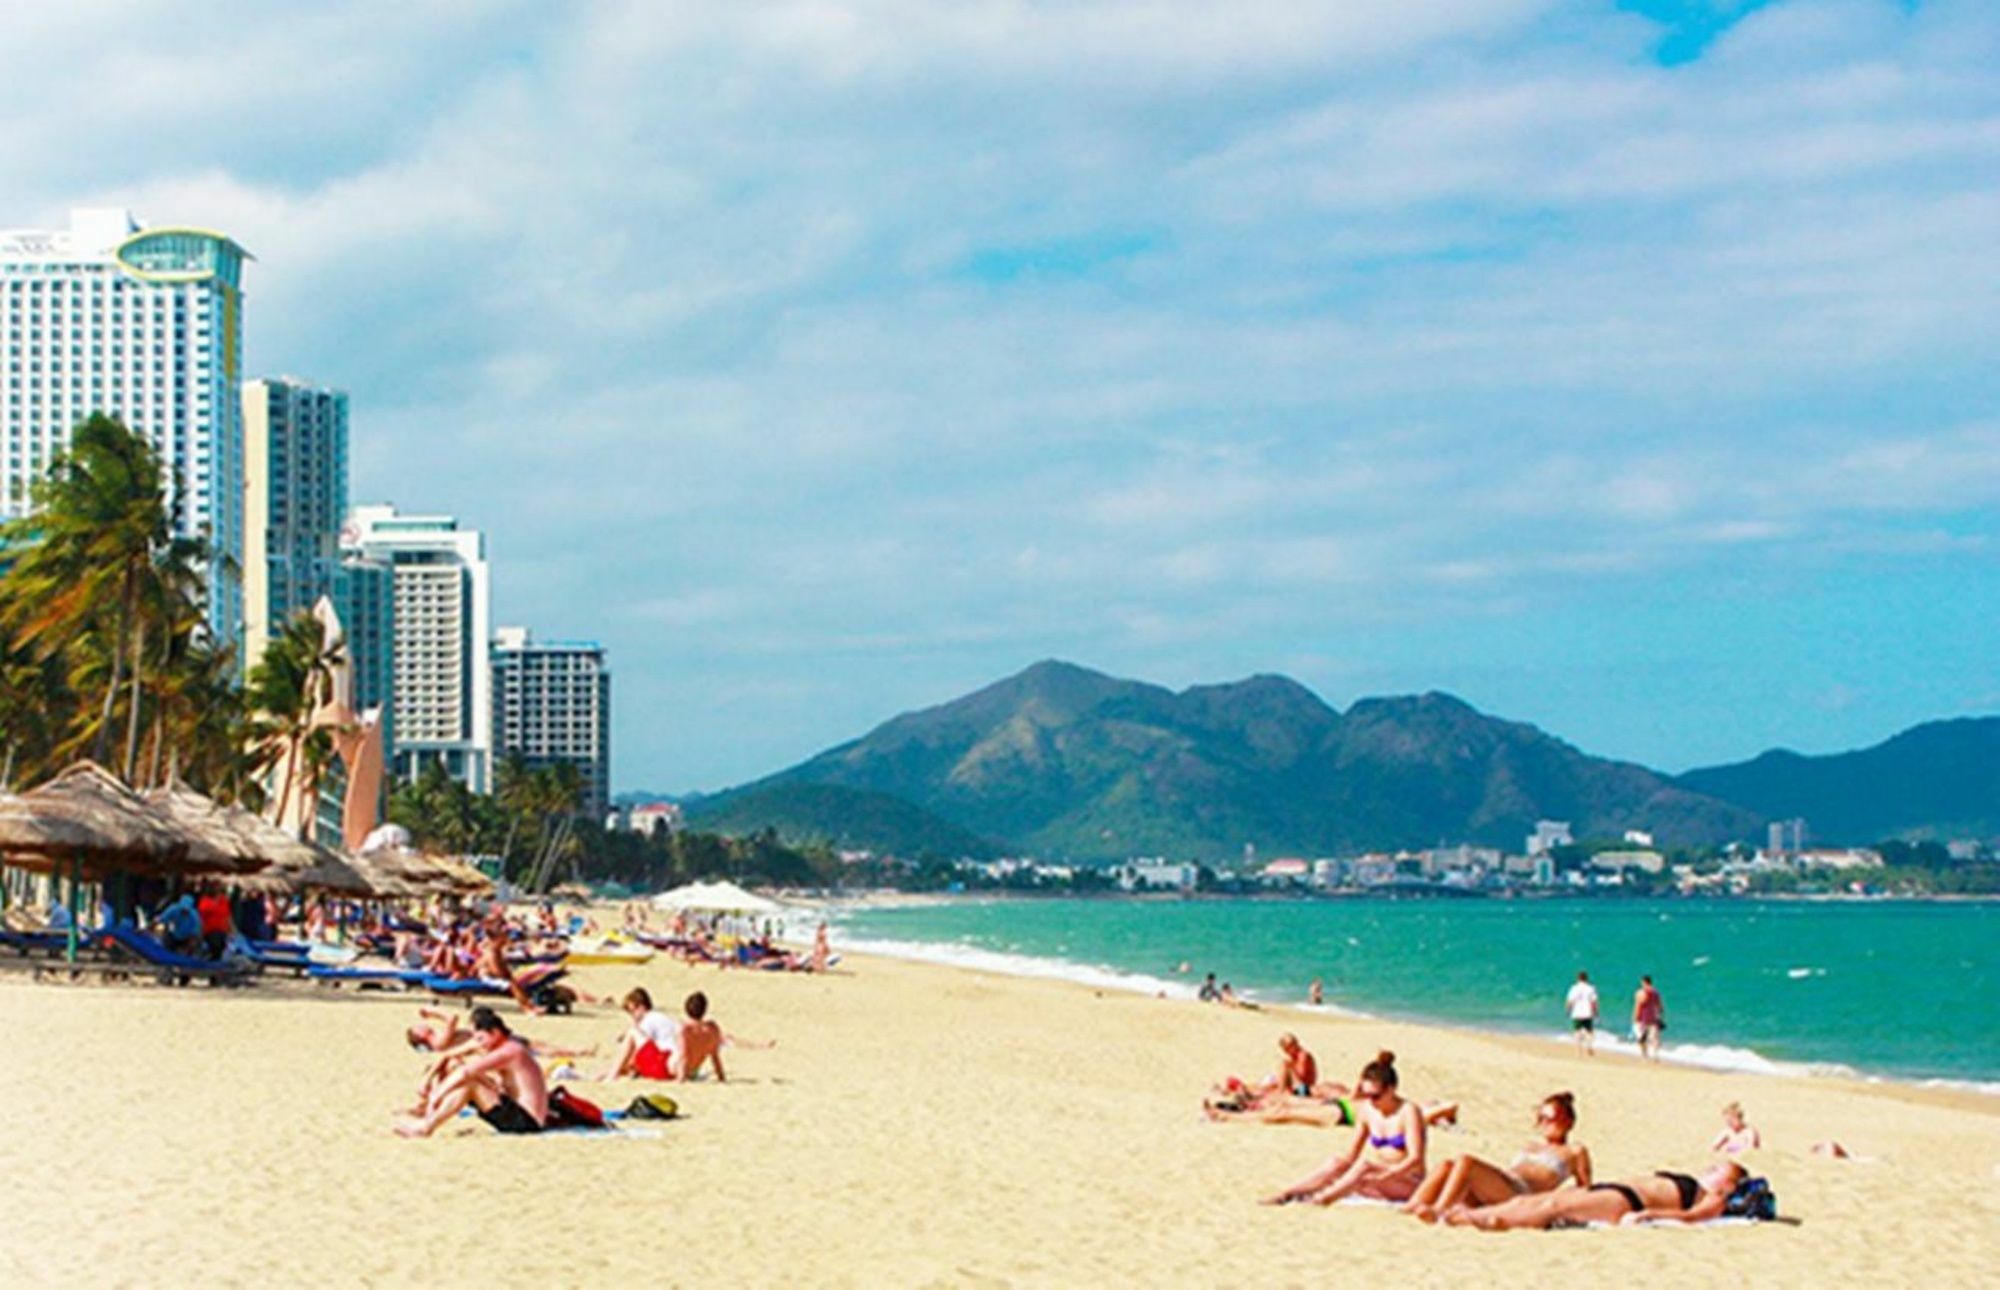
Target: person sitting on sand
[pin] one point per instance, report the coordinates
(491, 963)
(1738, 1134)
(1228, 998)
(1657, 1197)
(1385, 1161)
(1298, 1073)
(701, 1040)
(1542, 1166)
(651, 1046)
(1209, 991)
(503, 1081)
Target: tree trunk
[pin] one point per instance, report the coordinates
(101, 748)
(138, 692)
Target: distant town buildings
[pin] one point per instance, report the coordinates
(1548, 835)
(552, 704)
(658, 819)
(443, 684)
(1785, 837)
(1157, 875)
(146, 325)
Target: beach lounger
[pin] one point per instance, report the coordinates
(386, 974)
(534, 982)
(170, 967)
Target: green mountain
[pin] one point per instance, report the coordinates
(1937, 780)
(843, 817)
(1061, 761)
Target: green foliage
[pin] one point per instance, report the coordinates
(101, 647)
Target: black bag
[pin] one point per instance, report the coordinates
(1753, 1199)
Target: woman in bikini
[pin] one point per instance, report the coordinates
(1385, 1161)
(1651, 1198)
(1542, 1166)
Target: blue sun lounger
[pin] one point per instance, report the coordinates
(384, 975)
(179, 968)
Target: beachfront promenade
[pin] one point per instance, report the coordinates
(914, 1125)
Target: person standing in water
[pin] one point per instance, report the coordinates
(1316, 993)
(1582, 1005)
(1649, 1018)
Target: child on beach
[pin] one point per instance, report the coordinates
(1738, 1134)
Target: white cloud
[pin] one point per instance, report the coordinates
(952, 336)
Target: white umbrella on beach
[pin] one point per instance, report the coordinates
(716, 898)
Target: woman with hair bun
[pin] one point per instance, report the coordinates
(1385, 1161)
(1542, 1166)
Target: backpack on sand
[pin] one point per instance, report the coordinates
(652, 1106)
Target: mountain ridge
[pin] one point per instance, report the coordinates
(1062, 761)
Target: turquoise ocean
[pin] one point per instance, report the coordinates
(1898, 989)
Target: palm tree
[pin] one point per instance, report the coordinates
(91, 550)
(289, 686)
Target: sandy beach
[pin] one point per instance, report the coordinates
(914, 1125)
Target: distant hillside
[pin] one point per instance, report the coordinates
(844, 817)
(1063, 761)
(1937, 780)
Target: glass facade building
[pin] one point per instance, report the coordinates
(145, 325)
(295, 480)
(552, 703)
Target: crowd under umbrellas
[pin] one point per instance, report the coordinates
(85, 826)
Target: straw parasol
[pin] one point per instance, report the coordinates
(464, 875)
(222, 832)
(87, 816)
(418, 873)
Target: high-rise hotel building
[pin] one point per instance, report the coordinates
(146, 325)
(552, 703)
(443, 684)
(295, 490)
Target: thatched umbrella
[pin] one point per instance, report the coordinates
(293, 864)
(415, 870)
(381, 882)
(87, 816)
(464, 875)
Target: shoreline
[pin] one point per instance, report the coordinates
(1720, 1059)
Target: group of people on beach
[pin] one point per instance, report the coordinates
(501, 1075)
(1549, 1182)
(1649, 1016)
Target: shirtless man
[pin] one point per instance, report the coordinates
(501, 1078)
(701, 1040)
(492, 964)
(1299, 1072)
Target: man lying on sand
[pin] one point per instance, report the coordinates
(502, 1080)
(1661, 1197)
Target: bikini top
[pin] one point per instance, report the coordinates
(1548, 1158)
(1396, 1141)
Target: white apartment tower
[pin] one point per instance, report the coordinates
(295, 489)
(443, 701)
(145, 325)
(552, 703)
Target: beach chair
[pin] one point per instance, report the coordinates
(172, 968)
(536, 983)
(387, 974)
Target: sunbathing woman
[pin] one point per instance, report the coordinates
(1650, 1198)
(1543, 1166)
(1386, 1159)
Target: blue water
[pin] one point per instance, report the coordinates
(1904, 989)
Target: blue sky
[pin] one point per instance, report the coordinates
(1625, 368)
